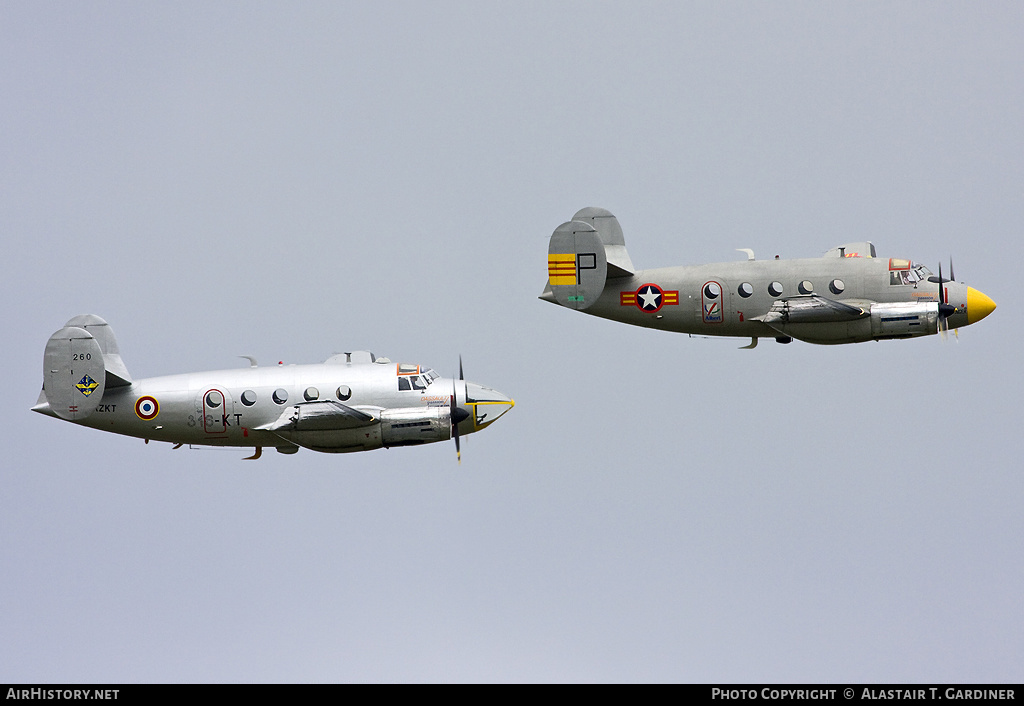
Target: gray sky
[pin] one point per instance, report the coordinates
(287, 181)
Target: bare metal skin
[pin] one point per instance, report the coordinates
(846, 296)
(351, 402)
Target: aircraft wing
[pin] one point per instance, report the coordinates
(813, 309)
(322, 415)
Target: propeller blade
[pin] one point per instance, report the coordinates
(454, 410)
(945, 309)
(457, 414)
(952, 278)
(461, 376)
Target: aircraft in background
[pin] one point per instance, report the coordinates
(351, 402)
(847, 296)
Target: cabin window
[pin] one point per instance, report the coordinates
(280, 396)
(745, 290)
(712, 290)
(311, 394)
(775, 289)
(248, 398)
(403, 383)
(837, 286)
(344, 392)
(806, 287)
(213, 399)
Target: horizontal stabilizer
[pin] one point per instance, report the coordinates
(73, 374)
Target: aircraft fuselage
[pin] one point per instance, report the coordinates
(685, 307)
(846, 296)
(351, 402)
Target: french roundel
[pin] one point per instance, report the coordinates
(147, 408)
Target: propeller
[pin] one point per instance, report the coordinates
(945, 308)
(457, 414)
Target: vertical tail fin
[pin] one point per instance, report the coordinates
(607, 225)
(577, 267)
(73, 374)
(582, 254)
(80, 362)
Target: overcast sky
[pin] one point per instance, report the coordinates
(289, 180)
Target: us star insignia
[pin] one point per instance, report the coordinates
(649, 298)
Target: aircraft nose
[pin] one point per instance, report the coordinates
(487, 404)
(979, 305)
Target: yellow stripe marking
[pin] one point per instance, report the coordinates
(562, 268)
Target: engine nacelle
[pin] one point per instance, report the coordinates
(904, 319)
(416, 425)
(881, 321)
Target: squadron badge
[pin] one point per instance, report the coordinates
(86, 385)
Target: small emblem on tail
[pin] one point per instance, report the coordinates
(86, 385)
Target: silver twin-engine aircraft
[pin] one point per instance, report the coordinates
(351, 402)
(847, 296)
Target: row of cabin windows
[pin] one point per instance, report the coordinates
(712, 290)
(311, 394)
(280, 396)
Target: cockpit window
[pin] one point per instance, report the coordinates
(905, 272)
(411, 377)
